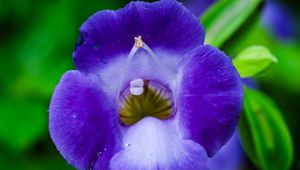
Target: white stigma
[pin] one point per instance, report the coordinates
(136, 86)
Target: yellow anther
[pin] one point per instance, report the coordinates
(139, 42)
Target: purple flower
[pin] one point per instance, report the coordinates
(147, 93)
(230, 156)
(280, 20)
(250, 83)
(198, 7)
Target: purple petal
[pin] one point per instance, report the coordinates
(155, 144)
(250, 83)
(280, 20)
(197, 6)
(230, 156)
(142, 65)
(82, 120)
(165, 25)
(210, 97)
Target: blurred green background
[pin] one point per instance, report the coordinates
(37, 39)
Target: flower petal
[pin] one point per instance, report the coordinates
(280, 20)
(230, 156)
(163, 71)
(154, 144)
(209, 98)
(196, 6)
(82, 120)
(108, 34)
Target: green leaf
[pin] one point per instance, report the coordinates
(22, 122)
(265, 136)
(254, 61)
(225, 17)
(42, 161)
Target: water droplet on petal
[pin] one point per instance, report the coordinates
(74, 116)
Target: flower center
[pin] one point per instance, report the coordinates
(145, 98)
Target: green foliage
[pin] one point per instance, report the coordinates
(9, 161)
(225, 17)
(254, 61)
(287, 69)
(22, 123)
(265, 136)
(46, 43)
(287, 54)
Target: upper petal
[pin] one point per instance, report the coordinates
(165, 25)
(155, 144)
(209, 97)
(82, 120)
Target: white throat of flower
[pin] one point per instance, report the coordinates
(138, 44)
(144, 97)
